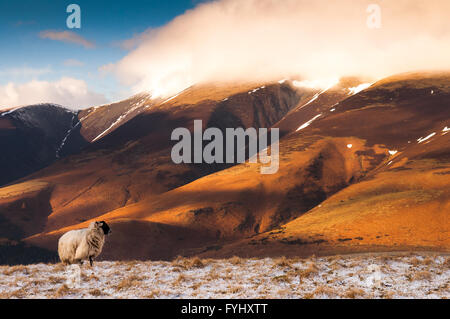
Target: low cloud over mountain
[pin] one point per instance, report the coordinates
(66, 91)
(265, 39)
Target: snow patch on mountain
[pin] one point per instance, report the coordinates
(133, 108)
(309, 122)
(423, 139)
(359, 88)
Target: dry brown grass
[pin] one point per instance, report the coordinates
(283, 293)
(11, 270)
(324, 290)
(62, 291)
(388, 294)
(19, 293)
(283, 262)
(125, 284)
(91, 277)
(213, 275)
(153, 294)
(96, 292)
(59, 267)
(196, 285)
(128, 283)
(428, 261)
(235, 260)
(282, 278)
(415, 261)
(353, 293)
(234, 289)
(308, 272)
(446, 263)
(181, 278)
(421, 275)
(55, 280)
(187, 263)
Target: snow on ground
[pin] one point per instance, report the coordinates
(257, 89)
(423, 139)
(8, 112)
(354, 276)
(133, 107)
(359, 88)
(305, 125)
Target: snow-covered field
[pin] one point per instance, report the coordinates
(353, 276)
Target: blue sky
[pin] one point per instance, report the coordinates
(26, 56)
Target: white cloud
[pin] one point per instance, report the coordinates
(67, 36)
(273, 39)
(69, 92)
(25, 72)
(73, 63)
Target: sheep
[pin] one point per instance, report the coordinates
(78, 245)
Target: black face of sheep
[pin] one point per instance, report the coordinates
(105, 227)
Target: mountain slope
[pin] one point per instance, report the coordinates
(132, 161)
(353, 169)
(32, 138)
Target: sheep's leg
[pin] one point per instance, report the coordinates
(91, 261)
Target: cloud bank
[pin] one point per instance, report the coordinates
(69, 92)
(73, 63)
(25, 71)
(67, 36)
(270, 39)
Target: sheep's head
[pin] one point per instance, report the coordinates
(103, 226)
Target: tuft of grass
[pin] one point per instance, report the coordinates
(308, 272)
(354, 293)
(153, 294)
(446, 263)
(428, 261)
(11, 270)
(96, 292)
(128, 283)
(197, 263)
(125, 284)
(282, 278)
(421, 275)
(59, 267)
(187, 263)
(55, 280)
(234, 289)
(324, 291)
(283, 262)
(235, 260)
(19, 293)
(181, 278)
(62, 291)
(415, 261)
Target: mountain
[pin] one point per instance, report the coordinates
(32, 138)
(362, 168)
(132, 161)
